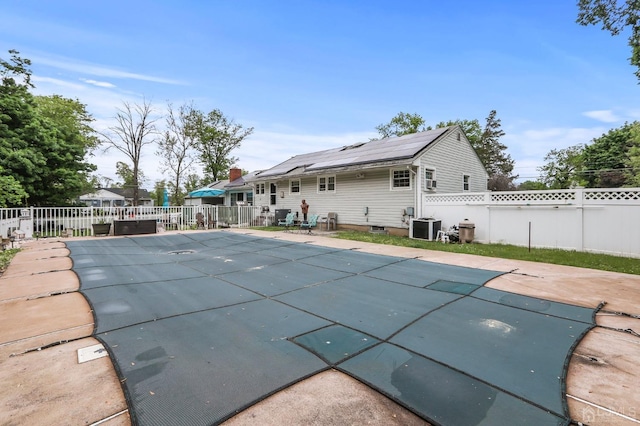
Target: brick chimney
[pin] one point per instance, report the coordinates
(234, 174)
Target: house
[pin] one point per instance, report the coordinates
(376, 185)
(144, 197)
(230, 192)
(239, 189)
(115, 197)
(102, 198)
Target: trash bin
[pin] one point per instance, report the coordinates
(467, 231)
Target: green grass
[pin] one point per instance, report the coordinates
(5, 258)
(602, 262)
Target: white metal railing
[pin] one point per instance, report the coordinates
(57, 221)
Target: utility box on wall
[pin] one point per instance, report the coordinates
(423, 228)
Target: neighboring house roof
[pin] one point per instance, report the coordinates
(143, 194)
(382, 152)
(219, 184)
(102, 194)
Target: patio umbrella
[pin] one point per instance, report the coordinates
(206, 192)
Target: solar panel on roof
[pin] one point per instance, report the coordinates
(381, 150)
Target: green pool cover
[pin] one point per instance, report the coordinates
(203, 325)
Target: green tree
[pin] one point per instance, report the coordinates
(125, 172)
(532, 185)
(606, 156)
(19, 129)
(176, 149)
(401, 124)
(43, 140)
(562, 168)
(134, 130)
(615, 16)
(12, 193)
(633, 158)
(491, 151)
(471, 128)
(70, 139)
(193, 182)
(216, 137)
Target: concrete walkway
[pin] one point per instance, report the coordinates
(44, 320)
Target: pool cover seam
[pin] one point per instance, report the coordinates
(176, 316)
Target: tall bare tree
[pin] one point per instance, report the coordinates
(176, 149)
(134, 129)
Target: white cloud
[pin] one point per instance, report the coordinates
(69, 64)
(98, 83)
(605, 115)
(56, 82)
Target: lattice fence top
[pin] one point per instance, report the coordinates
(613, 195)
(533, 196)
(455, 198)
(548, 197)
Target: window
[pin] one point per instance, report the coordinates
(331, 183)
(326, 183)
(465, 182)
(237, 197)
(429, 179)
(401, 179)
(260, 188)
(294, 186)
(273, 190)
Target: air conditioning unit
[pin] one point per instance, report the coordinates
(359, 175)
(431, 184)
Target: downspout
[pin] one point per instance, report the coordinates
(418, 190)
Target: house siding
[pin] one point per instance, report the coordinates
(452, 159)
(371, 186)
(352, 195)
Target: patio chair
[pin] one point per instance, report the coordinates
(309, 224)
(288, 221)
(200, 220)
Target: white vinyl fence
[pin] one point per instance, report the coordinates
(36, 222)
(593, 220)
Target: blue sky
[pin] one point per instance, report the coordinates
(311, 75)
